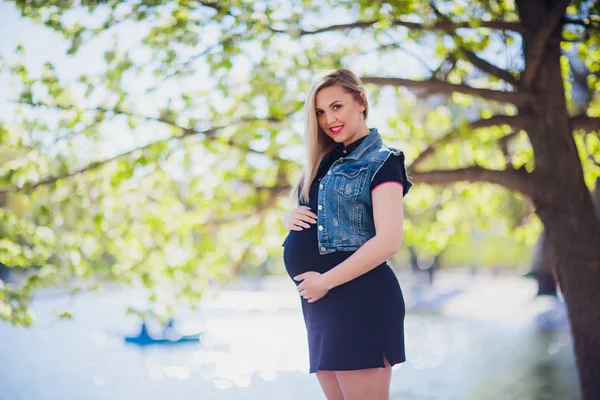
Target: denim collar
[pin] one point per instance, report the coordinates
(369, 140)
(352, 146)
(363, 144)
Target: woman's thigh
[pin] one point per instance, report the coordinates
(371, 383)
(329, 384)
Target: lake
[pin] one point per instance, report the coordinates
(478, 338)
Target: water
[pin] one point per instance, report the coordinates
(485, 340)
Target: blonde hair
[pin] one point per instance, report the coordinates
(317, 142)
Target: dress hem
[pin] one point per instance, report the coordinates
(381, 365)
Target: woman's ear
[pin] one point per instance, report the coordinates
(364, 97)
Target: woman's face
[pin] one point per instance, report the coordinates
(338, 115)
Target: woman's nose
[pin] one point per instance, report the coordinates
(330, 118)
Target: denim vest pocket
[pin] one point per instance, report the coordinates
(350, 180)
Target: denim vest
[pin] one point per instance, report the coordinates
(345, 208)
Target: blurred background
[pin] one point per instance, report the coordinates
(147, 149)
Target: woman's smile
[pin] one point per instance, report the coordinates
(335, 130)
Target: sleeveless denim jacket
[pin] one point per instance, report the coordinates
(345, 208)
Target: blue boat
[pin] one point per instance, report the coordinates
(168, 336)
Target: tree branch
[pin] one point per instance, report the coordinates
(516, 122)
(185, 65)
(473, 58)
(517, 98)
(210, 4)
(503, 144)
(393, 44)
(449, 64)
(89, 167)
(590, 156)
(585, 123)
(489, 68)
(209, 135)
(512, 179)
(437, 25)
(535, 49)
(589, 24)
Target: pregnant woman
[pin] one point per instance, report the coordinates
(348, 223)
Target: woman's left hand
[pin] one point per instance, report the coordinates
(313, 287)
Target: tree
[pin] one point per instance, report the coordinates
(530, 139)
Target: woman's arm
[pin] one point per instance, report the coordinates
(388, 214)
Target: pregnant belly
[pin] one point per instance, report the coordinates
(301, 253)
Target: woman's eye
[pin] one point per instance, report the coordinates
(338, 106)
(319, 113)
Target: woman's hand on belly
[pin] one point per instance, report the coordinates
(314, 286)
(299, 218)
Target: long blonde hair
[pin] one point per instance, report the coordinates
(316, 141)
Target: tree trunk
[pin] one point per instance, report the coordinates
(543, 267)
(596, 196)
(562, 200)
(418, 269)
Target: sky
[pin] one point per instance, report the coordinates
(41, 45)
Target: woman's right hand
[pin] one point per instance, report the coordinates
(299, 218)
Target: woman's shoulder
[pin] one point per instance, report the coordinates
(382, 152)
(392, 149)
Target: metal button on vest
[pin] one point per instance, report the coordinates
(320, 207)
(323, 249)
(320, 227)
(328, 172)
(321, 186)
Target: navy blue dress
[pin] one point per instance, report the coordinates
(356, 323)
